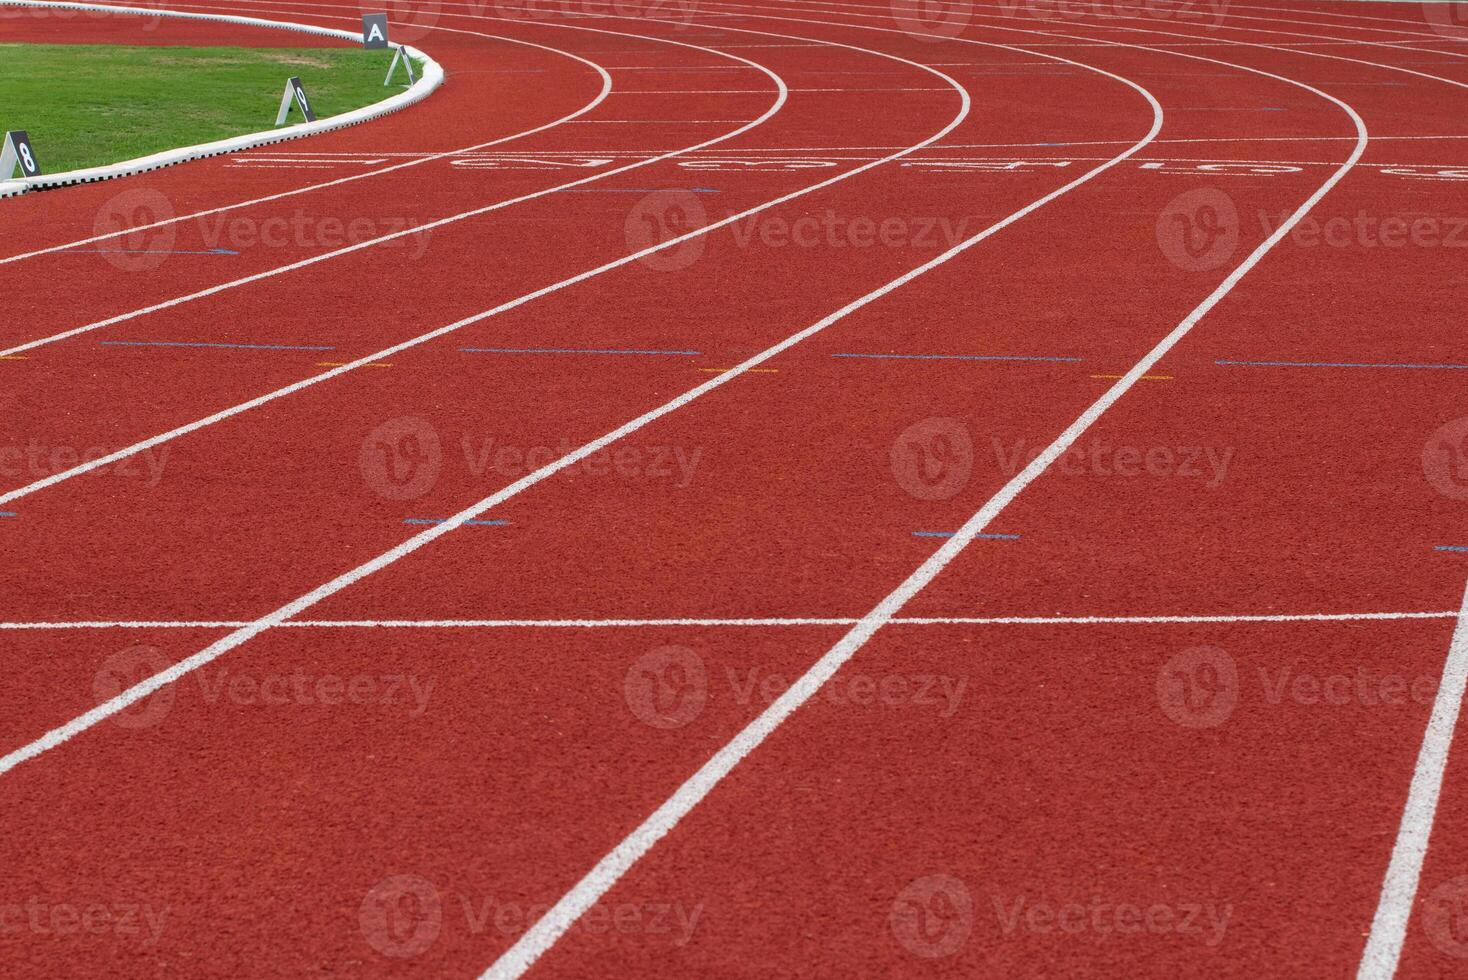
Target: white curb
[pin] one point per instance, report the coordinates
(430, 79)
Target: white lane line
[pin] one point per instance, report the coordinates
(802, 621)
(1295, 48)
(223, 414)
(781, 96)
(589, 890)
(107, 709)
(1399, 889)
(606, 89)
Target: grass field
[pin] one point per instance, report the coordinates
(88, 105)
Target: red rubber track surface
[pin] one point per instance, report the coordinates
(971, 797)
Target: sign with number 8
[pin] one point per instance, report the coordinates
(16, 151)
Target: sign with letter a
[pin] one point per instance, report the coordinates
(374, 31)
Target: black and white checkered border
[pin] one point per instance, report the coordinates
(429, 79)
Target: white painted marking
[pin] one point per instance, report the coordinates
(93, 464)
(1399, 889)
(781, 97)
(600, 97)
(541, 936)
(131, 695)
(757, 621)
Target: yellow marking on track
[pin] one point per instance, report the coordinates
(750, 371)
(14, 357)
(345, 363)
(1145, 377)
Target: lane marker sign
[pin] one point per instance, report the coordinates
(294, 92)
(16, 151)
(399, 55)
(374, 31)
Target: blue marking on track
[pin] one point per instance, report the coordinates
(1345, 364)
(949, 534)
(576, 350)
(1450, 547)
(181, 343)
(7, 513)
(153, 251)
(961, 357)
(440, 520)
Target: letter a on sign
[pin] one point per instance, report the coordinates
(374, 31)
(16, 151)
(294, 93)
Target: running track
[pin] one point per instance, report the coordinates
(755, 488)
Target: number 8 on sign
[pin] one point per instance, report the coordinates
(16, 151)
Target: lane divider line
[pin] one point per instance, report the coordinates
(1223, 619)
(1409, 852)
(546, 931)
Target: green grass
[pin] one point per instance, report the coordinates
(87, 105)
